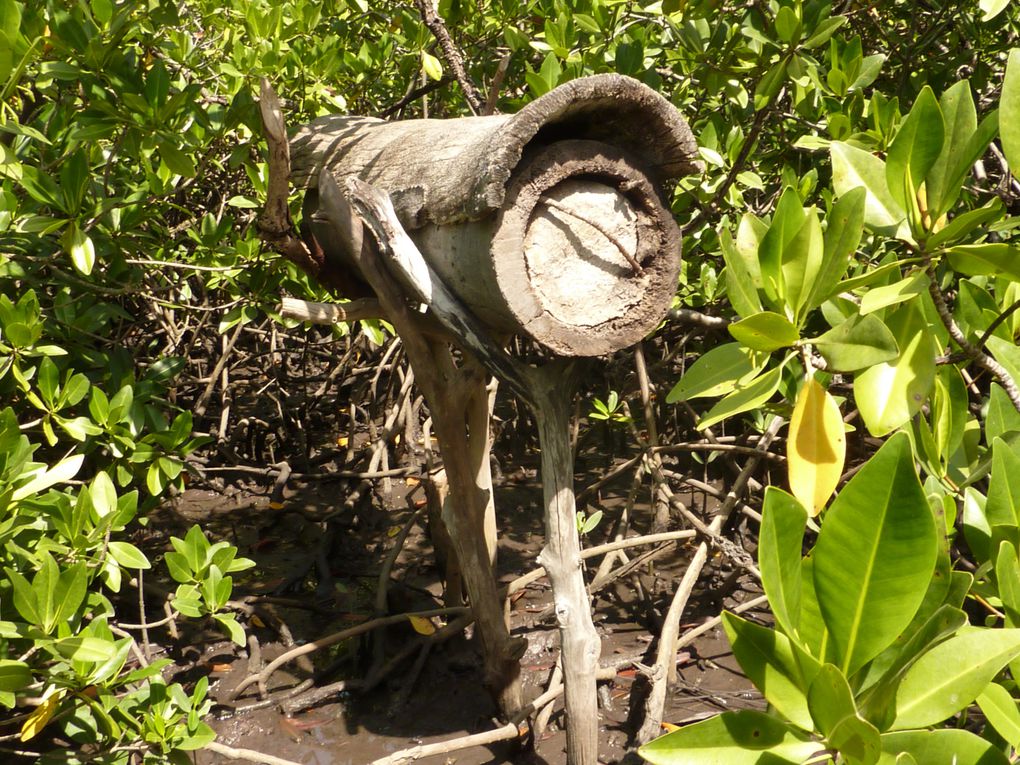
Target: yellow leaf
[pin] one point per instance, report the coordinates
(431, 66)
(342, 441)
(392, 531)
(422, 625)
(256, 621)
(276, 506)
(816, 446)
(669, 727)
(42, 715)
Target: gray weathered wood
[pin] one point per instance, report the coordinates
(549, 222)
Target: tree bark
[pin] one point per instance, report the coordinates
(553, 388)
(446, 387)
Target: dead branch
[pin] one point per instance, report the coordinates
(973, 353)
(664, 670)
(451, 54)
(333, 639)
(521, 582)
(330, 313)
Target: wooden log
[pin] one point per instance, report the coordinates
(549, 223)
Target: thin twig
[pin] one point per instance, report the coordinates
(665, 662)
(621, 544)
(453, 56)
(974, 354)
(333, 639)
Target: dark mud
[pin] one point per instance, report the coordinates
(332, 575)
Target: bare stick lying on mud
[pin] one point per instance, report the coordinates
(233, 753)
(336, 637)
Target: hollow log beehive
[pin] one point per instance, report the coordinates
(549, 222)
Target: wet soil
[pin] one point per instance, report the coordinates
(322, 578)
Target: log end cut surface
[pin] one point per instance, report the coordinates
(585, 255)
(579, 249)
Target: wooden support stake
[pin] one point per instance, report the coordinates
(548, 391)
(447, 387)
(552, 388)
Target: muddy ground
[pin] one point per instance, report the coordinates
(317, 579)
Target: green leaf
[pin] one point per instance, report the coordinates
(176, 160)
(79, 246)
(965, 223)
(890, 393)
(981, 259)
(25, 601)
(823, 31)
(202, 736)
(780, 541)
(765, 331)
(949, 410)
(1009, 112)
(915, 148)
(992, 8)
(177, 565)
(877, 700)
(1003, 503)
(852, 168)
(999, 708)
(857, 741)
(128, 556)
(787, 222)
(811, 626)
(235, 630)
(45, 584)
(802, 260)
(85, 648)
(745, 397)
(70, 592)
(870, 67)
(154, 480)
(103, 493)
(767, 658)
(844, 227)
(788, 26)
(1007, 354)
(858, 343)
(14, 675)
(431, 65)
(717, 373)
(875, 555)
(733, 738)
(939, 747)
(942, 184)
(113, 666)
(740, 282)
(830, 699)
(63, 471)
(1002, 416)
(770, 83)
(892, 294)
(939, 684)
(1007, 577)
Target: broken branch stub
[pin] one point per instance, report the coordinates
(548, 223)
